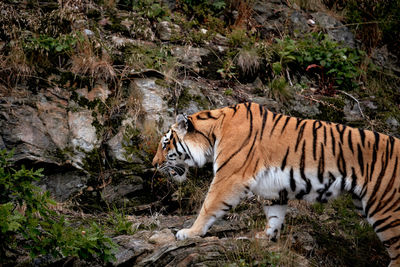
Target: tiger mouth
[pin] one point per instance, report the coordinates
(177, 170)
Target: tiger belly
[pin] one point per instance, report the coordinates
(274, 183)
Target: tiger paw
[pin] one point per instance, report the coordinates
(185, 234)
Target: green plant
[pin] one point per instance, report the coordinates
(148, 57)
(61, 44)
(279, 89)
(152, 9)
(336, 65)
(25, 211)
(201, 10)
(119, 223)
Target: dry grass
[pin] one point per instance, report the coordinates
(248, 60)
(86, 61)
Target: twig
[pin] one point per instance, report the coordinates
(288, 76)
(358, 103)
(356, 24)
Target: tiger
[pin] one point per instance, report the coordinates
(277, 157)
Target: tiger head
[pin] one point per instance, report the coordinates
(172, 157)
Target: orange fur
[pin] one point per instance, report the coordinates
(281, 157)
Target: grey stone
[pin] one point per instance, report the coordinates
(304, 106)
(162, 237)
(393, 123)
(112, 193)
(64, 184)
(166, 30)
(22, 129)
(299, 23)
(154, 102)
(54, 117)
(335, 29)
(190, 56)
(83, 137)
(117, 152)
(352, 112)
(129, 249)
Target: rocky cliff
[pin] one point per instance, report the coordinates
(87, 88)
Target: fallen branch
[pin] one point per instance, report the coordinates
(358, 103)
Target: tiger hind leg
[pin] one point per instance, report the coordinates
(276, 217)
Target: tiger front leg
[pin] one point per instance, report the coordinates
(221, 197)
(276, 216)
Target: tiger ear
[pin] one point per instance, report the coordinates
(182, 124)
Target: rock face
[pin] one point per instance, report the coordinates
(79, 129)
(160, 248)
(335, 29)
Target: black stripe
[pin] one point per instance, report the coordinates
(350, 141)
(283, 198)
(303, 175)
(207, 116)
(248, 158)
(341, 132)
(274, 115)
(246, 141)
(373, 162)
(321, 165)
(353, 180)
(264, 120)
(341, 163)
(286, 122)
(315, 138)
(284, 160)
(388, 226)
(377, 138)
(174, 144)
(333, 143)
(206, 137)
(362, 135)
(389, 242)
(235, 108)
(261, 109)
(255, 166)
(378, 182)
(395, 258)
(248, 106)
(382, 204)
(298, 122)
(292, 181)
(300, 136)
(360, 159)
(397, 202)
(325, 137)
(275, 123)
(379, 222)
(229, 206)
(391, 145)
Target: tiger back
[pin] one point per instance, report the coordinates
(279, 158)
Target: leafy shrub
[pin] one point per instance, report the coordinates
(25, 211)
(152, 9)
(340, 66)
(202, 10)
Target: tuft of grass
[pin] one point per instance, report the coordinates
(248, 60)
(279, 89)
(95, 63)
